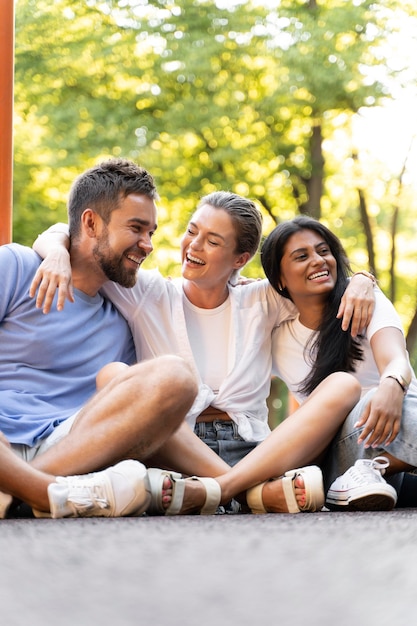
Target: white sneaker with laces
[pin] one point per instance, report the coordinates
(362, 488)
(117, 491)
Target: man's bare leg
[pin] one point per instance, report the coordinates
(183, 452)
(21, 480)
(131, 417)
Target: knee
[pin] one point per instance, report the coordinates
(171, 375)
(178, 375)
(109, 372)
(349, 385)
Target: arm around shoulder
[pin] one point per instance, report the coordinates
(55, 271)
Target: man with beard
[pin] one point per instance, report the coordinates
(49, 411)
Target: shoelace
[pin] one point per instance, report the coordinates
(366, 469)
(87, 495)
(380, 463)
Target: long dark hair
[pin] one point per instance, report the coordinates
(332, 349)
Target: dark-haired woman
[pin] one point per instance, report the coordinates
(305, 262)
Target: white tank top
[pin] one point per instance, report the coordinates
(210, 340)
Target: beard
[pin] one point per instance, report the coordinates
(111, 264)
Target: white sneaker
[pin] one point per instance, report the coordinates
(115, 492)
(362, 488)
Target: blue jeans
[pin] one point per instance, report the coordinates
(223, 437)
(345, 450)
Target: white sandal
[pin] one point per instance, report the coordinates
(313, 485)
(156, 480)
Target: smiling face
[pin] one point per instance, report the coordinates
(308, 268)
(125, 242)
(208, 248)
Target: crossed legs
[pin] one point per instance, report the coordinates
(134, 417)
(131, 417)
(140, 413)
(299, 440)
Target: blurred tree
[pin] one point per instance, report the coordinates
(247, 96)
(206, 97)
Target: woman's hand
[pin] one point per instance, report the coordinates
(52, 274)
(357, 304)
(382, 416)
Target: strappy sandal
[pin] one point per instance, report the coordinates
(156, 480)
(313, 485)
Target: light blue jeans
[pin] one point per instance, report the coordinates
(345, 450)
(223, 437)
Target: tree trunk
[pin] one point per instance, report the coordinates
(394, 223)
(315, 183)
(366, 222)
(411, 339)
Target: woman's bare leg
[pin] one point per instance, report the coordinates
(296, 442)
(184, 452)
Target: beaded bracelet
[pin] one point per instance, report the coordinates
(367, 274)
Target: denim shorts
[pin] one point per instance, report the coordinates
(345, 450)
(223, 437)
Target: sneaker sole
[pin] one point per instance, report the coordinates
(363, 502)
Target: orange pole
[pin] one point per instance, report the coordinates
(6, 118)
(292, 404)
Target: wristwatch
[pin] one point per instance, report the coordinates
(400, 380)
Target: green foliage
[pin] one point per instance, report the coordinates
(205, 97)
(208, 96)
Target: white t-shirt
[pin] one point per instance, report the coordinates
(210, 340)
(292, 363)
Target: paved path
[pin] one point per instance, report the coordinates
(327, 569)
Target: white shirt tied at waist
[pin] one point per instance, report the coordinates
(154, 310)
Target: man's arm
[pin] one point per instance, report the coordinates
(55, 273)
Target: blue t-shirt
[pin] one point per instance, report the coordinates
(48, 363)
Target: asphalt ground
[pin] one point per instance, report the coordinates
(322, 569)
